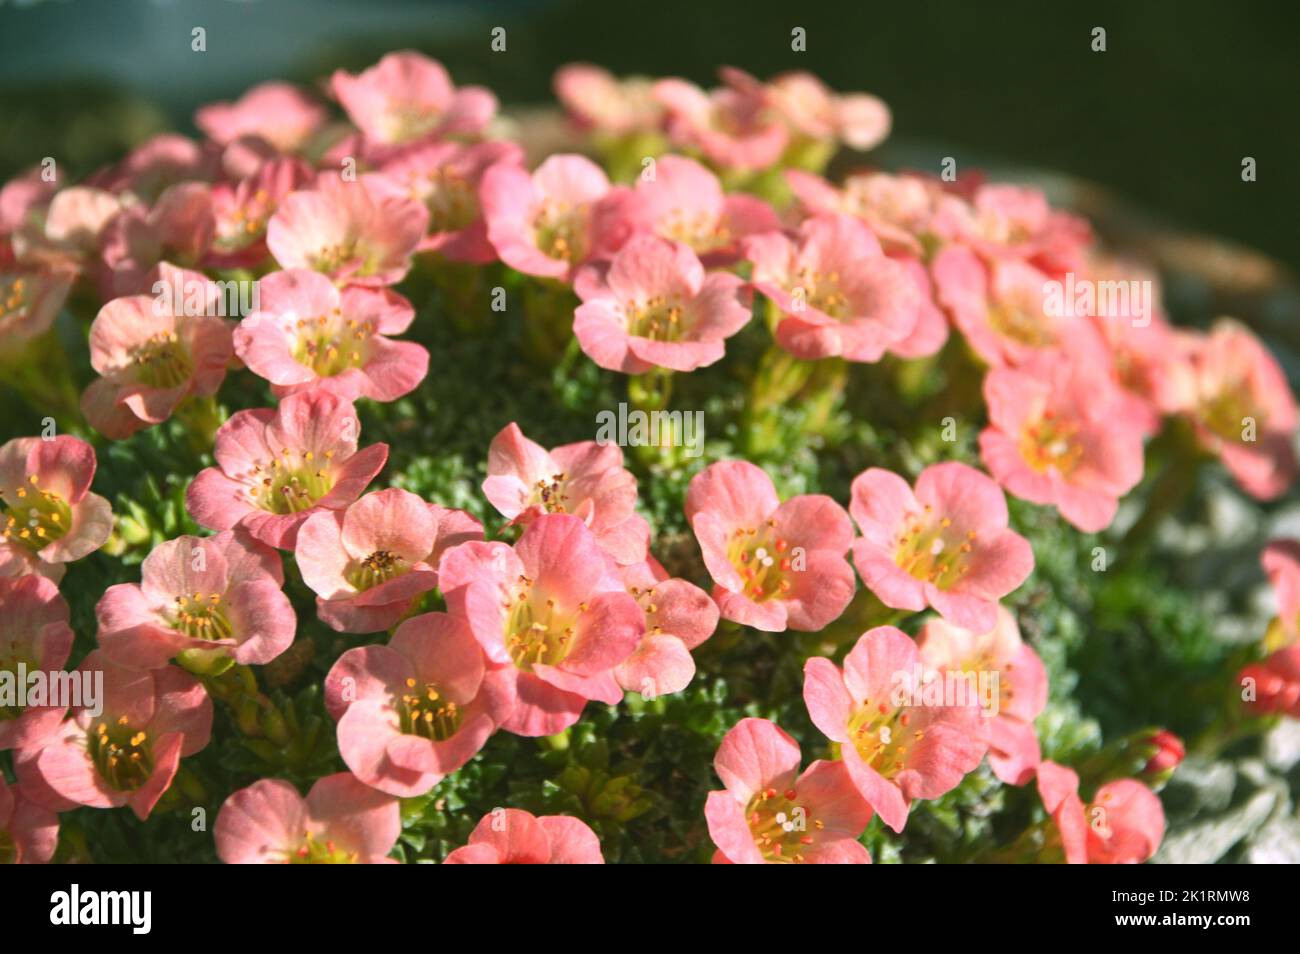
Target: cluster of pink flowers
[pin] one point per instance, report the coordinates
(1272, 686)
(569, 606)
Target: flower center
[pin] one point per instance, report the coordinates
(9, 666)
(821, 291)
(331, 258)
(882, 736)
(656, 318)
(408, 121)
(561, 230)
(551, 496)
(536, 633)
(13, 296)
(201, 617)
(246, 222)
(161, 361)
(1050, 443)
(8, 849)
(702, 231)
(1227, 412)
(34, 517)
(763, 559)
(122, 755)
(379, 567)
(426, 714)
(313, 851)
(931, 550)
(450, 197)
(1021, 322)
(780, 826)
(285, 485)
(329, 345)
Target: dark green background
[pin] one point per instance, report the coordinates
(1164, 116)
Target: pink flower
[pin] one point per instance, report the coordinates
(1002, 308)
(509, 836)
(812, 111)
(1281, 562)
(65, 235)
(900, 739)
(542, 224)
(23, 198)
(406, 97)
(1016, 222)
(1243, 409)
(50, 513)
(1021, 686)
(1122, 825)
(654, 306)
(29, 834)
(1146, 359)
(445, 176)
(358, 232)
(552, 613)
(307, 334)
(598, 101)
(586, 479)
(414, 711)
(127, 754)
(732, 127)
(178, 228)
(30, 300)
(684, 202)
(1272, 687)
(838, 292)
(930, 333)
(369, 563)
(946, 544)
(202, 601)
(772, 814)
(157, 164)
(1061, 433)
(678, 617)
(341, 821)
(905, 212)
(775, 565)
(279, 113)
(34, 633)
(275, 468)
(241, 211)
(154, 351)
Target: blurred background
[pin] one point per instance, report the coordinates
(1163, 117)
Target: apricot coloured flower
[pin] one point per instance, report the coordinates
(370, 562)
(275, 468)
(416, 710)
(898, 743)
(128, 753)
(200, 600)
(775, 565)
(341, 821)
(770, 813)
(945, 544)
(550, 611)
(509, 836)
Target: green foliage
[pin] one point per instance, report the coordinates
(1126, 647)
